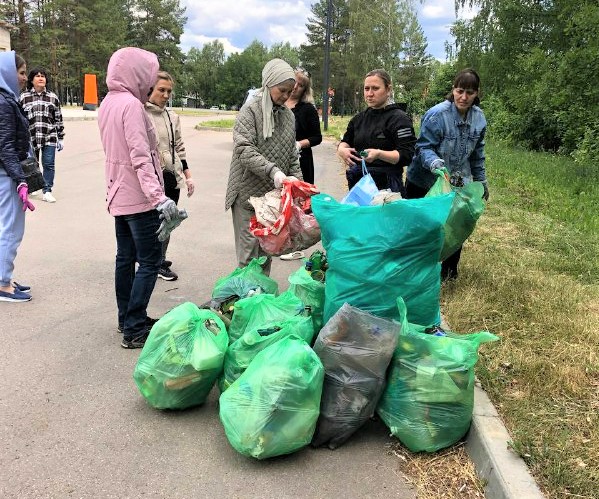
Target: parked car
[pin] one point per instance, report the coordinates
(214, 108)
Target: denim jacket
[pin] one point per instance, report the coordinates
(459, 143)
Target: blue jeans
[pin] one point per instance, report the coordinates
(47, 162)
(136, 241)
(12, 226)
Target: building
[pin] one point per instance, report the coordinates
(5, 29)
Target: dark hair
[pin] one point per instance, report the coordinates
(32, 73)
(467, 79)
(19, 61)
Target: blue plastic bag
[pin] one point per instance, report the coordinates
(363, 191)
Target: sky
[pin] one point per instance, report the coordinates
(236, 23)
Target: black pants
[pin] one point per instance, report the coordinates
(449, 266)
(171, 191)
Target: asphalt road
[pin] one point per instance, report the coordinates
(73, 423)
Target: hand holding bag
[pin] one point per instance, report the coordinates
(33, 175)
(363, 191)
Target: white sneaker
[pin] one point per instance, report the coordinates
(35, 193)
(48, 197)
(296, 255)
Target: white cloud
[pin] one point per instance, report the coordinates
(444, 9)
(241, 21)
(189, 40)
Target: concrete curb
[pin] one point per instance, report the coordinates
(506, 474)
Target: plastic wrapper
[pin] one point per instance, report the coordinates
(254, 311)
(377, 253)
(273, 407)
(355, 348)
(428, 401)
(241, 352)
(466, 209)
(310, 292)
(182, 358)
(295, 229)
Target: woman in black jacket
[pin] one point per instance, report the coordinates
(383, 133)
(14, 147)
(307, 123)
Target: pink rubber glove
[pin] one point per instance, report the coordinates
(23, 191)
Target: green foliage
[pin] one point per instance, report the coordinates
(70, 38)
(365, 36)
(538, 60)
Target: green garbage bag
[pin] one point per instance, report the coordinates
(428, 401)
(182, 358)
(241, 352)
(256, 310)
(311, 292)
(377, 253)
(466, 209)
(243, 280)
(273, 406)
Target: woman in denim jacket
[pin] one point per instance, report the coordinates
(452, 135)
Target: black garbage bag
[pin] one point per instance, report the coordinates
(355, 348)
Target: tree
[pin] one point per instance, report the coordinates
(203, 72)
(286, 52)
(157, 26)
(241, 72)
(538, 60)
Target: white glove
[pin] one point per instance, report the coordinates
(438, 163)
(278, 178)
(291, 178)
(60, 145)
(168, 210)
(298, 147)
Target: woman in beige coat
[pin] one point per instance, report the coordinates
(172, 153)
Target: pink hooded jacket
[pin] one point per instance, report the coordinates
(134, 181)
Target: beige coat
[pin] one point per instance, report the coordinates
(162, 126)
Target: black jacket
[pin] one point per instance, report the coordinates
(388, 128)
(14, 136)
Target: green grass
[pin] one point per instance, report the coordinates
(225, 123)
(530, 274)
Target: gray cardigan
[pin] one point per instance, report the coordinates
(255, 160)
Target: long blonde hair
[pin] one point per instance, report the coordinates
(308, 95)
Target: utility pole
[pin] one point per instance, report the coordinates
(327, 58)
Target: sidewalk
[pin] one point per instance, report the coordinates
(506, 475)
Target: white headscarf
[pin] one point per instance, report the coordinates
(275, 72)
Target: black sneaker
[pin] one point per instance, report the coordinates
(149, 325)
(137, 342)
(167, 274)
(166, 263)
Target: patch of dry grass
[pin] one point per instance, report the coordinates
(445, 474)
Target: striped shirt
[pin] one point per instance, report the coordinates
(45, 117)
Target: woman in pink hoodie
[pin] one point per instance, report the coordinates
(134, 187)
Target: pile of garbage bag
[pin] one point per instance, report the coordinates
(374, 323)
